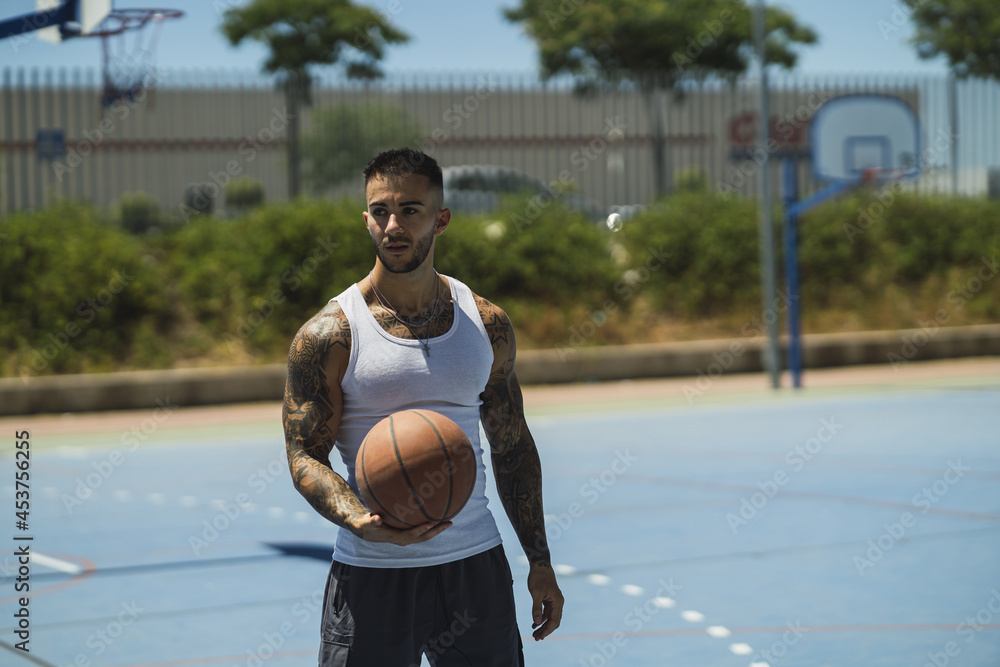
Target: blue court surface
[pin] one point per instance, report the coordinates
(847, 527)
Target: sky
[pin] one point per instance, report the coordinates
(856, 36)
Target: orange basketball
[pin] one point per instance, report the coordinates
(415, 467)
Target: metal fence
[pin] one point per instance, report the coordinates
(208, 128)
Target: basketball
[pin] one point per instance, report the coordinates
(415, 467)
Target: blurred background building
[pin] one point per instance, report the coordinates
(187, 130)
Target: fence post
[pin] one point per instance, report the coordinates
(953, 114)
(767, 279)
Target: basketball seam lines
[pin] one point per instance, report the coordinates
(399, 458)
(364, 473)
(451, 468)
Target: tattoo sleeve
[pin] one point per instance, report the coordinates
(516, 465)
(311, 415)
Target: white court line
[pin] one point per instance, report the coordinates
(71, 452)
(55, 563)
(741, 649)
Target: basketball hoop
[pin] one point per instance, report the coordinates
(128, 69)
(865, 138)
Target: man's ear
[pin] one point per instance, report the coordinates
(444, 217)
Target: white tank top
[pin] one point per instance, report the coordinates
(386, 374)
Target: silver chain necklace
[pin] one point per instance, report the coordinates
(382, 301)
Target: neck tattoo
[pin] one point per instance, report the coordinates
(392, 311)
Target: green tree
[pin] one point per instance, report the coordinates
(967, 32)
(304, 33)
(345, 136)
(656, 45)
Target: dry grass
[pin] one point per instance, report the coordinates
(892, 308)
(542, 325)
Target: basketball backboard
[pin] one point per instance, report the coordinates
(854, 136)
(88, 14)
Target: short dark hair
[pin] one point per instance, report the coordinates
(404, 162)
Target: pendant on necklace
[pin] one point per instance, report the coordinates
(392, 311)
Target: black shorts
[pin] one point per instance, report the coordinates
(459, 613)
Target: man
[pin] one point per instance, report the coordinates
(406, 337)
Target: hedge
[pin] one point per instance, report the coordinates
(80, 293)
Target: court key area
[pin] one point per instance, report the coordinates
(854, 526)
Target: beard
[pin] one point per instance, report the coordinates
(421, 248)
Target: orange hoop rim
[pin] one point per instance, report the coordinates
(876, 175)
(133, 19)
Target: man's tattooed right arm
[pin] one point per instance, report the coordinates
(311, 415)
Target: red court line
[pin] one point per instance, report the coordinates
(829, 462)
(988, 516)
(222, 658)
(88, 569)
(607, 635)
